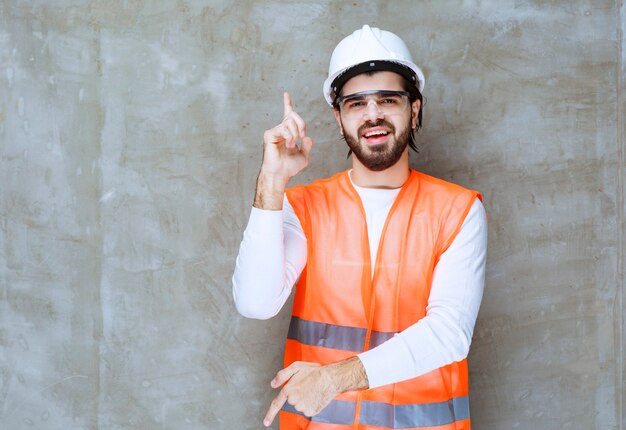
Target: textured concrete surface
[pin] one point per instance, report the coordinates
(129, 145)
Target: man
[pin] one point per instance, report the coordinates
(389, 261)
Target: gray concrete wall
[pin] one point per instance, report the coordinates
(129, 145)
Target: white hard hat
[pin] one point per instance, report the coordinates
(369, 49)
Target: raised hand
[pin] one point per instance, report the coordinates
(282, 157)
(281, 154)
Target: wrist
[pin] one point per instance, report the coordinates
(348, 375)
(273, 180)
(270, 188)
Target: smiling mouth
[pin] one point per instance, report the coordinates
(375, 133)
(376, 137)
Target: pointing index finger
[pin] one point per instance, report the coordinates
(287, 104)
(275, 407)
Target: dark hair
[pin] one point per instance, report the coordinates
(414, 94)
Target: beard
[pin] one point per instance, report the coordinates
(382, 156)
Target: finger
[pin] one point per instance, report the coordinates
(288, 108)
(290, 113)
(275, 406)
(284, 375)
(299, 123)
(277, 135)
(307, 145)
(292, 127)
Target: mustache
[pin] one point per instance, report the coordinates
(379, 123)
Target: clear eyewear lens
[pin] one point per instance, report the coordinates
(387, 102)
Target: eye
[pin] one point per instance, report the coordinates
(354, 104)
(389, 101)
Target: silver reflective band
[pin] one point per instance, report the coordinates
(392, 416)
(387, 102)
(334, 336)
(415, 415)
(337, 412)
(380, 337)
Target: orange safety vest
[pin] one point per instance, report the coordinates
(340, 310)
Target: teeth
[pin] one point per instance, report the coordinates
(376, 133)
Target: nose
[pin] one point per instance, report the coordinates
(373, 110)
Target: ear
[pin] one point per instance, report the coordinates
(338, 119)
(415, 109)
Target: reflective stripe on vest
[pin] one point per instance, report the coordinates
(334, 336)
(392, 416)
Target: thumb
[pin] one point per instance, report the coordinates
(307, 145)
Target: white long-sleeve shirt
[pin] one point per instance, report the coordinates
(273, 253)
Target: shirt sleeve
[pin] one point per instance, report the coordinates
(444, 335)
(271, 257)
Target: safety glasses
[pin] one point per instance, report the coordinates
(386, 101)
